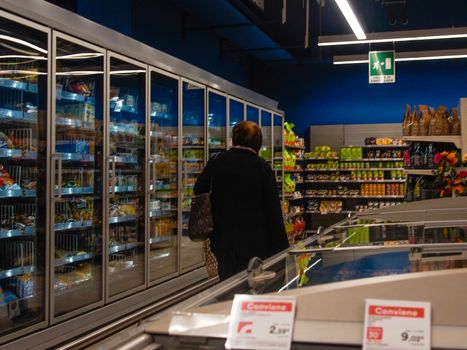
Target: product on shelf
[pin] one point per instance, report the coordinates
(6, 181)
(351, 153)
(330, 207)
(289, 183)
(321, 152)
(430, 122)
(383, 141)
(73, 276)
(290, 139)
(127, 209)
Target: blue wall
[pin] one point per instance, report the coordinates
(158, 24)
(317, 94)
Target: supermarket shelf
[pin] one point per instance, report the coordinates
(293, 215)
(10, 153)
(18, 85)
(121, 219)
(293, 147)
(17, 116)
(356, 181)
(70, 96)
(79, 157)
(161, 214)
(455, 139)
(321, 158)
(356, 196)
(293, 171)
(343, 212)
(29, 193)
(119, 189)
(76, 190)
(159, 239)
(373, 160)
(216, 147)
(73, 225)
(193, 146)
(385, 146)
(73, 259)
(352, 169)
(123, 247)
(423, 172)
(160, 195)
(28, 231)
(16, 271)
(277, 158)
(193, 159)
(290, 197)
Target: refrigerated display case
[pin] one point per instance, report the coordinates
(217, 122)
(23, 173)
(266, 129)
(77, 205)
(126, 167)
(236, 115)
(331, 285)
(193, 160)
(278, 150)
(164, 172)
(252, 114)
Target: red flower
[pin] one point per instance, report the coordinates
(438, 158)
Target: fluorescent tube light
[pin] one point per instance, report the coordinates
(351, 18)
(127, 71)
(38, 58)
(80, 56)
(22, 42)
(81, 72)
(407, 56)
(397, 36)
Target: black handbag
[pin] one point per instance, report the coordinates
(200, 224)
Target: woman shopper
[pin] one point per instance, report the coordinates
(245, 203)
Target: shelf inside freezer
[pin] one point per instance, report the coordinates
(79, 157)
(160, 115)
(16, 271)
(73, 225)
(121, 219)
(125, 159)
(73, 259)
(17, 116)
(11, 193)
(27, 231)
(124, 129)
(123, 247)
(75, 190)
(18, 85)
(75, 123)
(159, 239)
(193, 146)
(161, 214)
(70, 96)
(119, 189)
(10, 153)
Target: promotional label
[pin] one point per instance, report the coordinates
(397, 325)
(261, 322)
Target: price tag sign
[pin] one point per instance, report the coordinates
(397, 325)
(261, 322)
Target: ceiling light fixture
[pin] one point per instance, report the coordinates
(22, 42)
(407, 56)
(349, 15)
(398, 36)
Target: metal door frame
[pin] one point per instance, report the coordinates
(204, 87)
(108, 298)
(249, 104)
(176, 78)
(58, 35)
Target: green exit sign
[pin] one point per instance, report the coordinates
(381, 68)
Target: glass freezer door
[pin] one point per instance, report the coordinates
(126, 166)
(23, 164)
(236, 115)
(278, 142)
(163, 204)
(217, 122)
(252, 114)
(77, 190)
(266, 129)
(193, 109)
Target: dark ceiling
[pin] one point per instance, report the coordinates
(250, 31)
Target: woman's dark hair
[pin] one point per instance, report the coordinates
(247, 134)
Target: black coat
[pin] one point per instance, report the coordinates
(246, 209)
